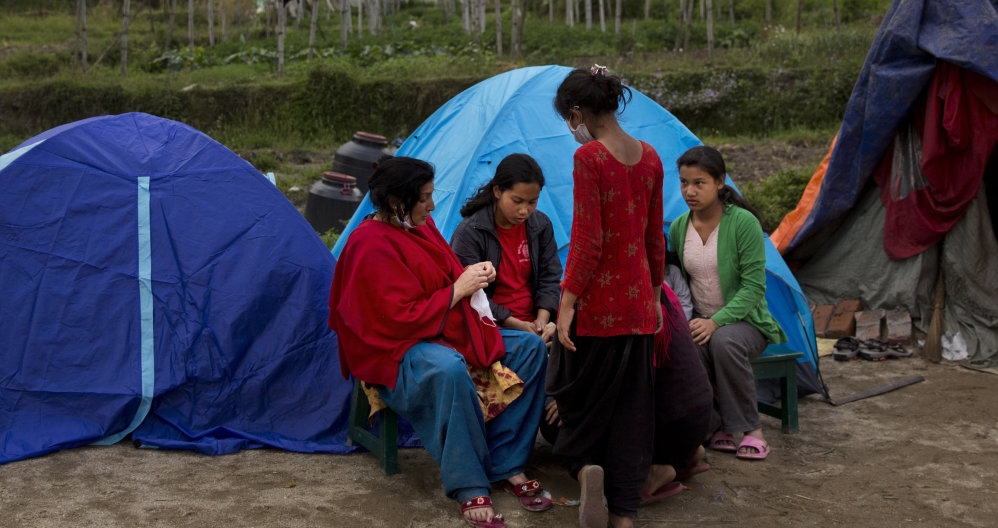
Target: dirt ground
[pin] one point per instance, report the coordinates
(923, 455)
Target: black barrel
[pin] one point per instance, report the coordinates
(358, 157)
(332, 201)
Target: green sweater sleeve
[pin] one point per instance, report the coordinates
(743, 275)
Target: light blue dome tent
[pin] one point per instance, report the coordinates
(152, 282)
(513, 112)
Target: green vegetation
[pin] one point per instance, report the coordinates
(777, 195)
(760, 80)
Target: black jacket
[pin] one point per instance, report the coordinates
(476, 240)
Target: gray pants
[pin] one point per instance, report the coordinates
(727, 357)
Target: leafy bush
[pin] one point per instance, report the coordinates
(330, 237)
(28, 65)
(264, 163)
(777, 195)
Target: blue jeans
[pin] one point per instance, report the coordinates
(435, 394)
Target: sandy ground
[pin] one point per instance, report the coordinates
(924, 455)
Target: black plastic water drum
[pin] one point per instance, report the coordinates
(358, 157)
(332, 201)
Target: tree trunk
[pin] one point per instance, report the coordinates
(616, 18)
(211, 24)
(190, 24)
(169, 27)
(679, 24)
(800, 7)
(344, 23)
(499, 29)
(769, 12)
(298, 13)
(689, 22)
(445, 5)
(589, 14)
(550, 11)
(82, 6)
(360, 18)
(221, 10)
(466, 16)
(521, 10)
(311, 29)
(710, 28)
(373, 15)
(152, 20)
(647, 9)
(602, 17)
(838, 21)
(282, 23)
(731, 10)
(266, 10)
(124, 42)
(703, 15)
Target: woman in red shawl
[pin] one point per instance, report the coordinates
(402, 307)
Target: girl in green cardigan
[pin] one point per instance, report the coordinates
(722, 250)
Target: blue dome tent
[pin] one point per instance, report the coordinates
(156, 284)
(513, 112)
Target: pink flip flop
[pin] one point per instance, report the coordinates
(722, 441)
(667, 490)
(760, 447)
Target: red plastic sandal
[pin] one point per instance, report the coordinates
(531, 495)
(482, 501)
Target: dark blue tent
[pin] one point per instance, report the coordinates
(155, 283)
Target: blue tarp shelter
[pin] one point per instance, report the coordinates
(513, 112)
(928, 54)
(152, 282)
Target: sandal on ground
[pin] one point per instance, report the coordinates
(530, 494)
(758, 448)
(692, 470)
(846, 349)
(482, 501)
(593, 512)
(667, 490)
(722, 441)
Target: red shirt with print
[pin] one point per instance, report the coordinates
(617, 250)
(513, 276)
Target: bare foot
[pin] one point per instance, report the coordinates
(483, 514)
(658, 475)
(621, 522)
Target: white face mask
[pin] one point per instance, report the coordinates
(581, 133)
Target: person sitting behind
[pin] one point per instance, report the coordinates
(474, 399)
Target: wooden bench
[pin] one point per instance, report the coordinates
(384, 445)
(784, 368)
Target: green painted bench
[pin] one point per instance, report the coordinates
(784, 368)
(384, 445)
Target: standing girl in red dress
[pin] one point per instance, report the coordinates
(602, 374)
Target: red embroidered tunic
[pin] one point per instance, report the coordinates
(617, 251)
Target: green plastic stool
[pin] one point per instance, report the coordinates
(783, 367)
(384, 445)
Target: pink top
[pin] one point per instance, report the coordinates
(700, 261)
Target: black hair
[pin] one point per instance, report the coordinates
(597, 92)
(709, 160)
(513, 169)
(400, 178)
